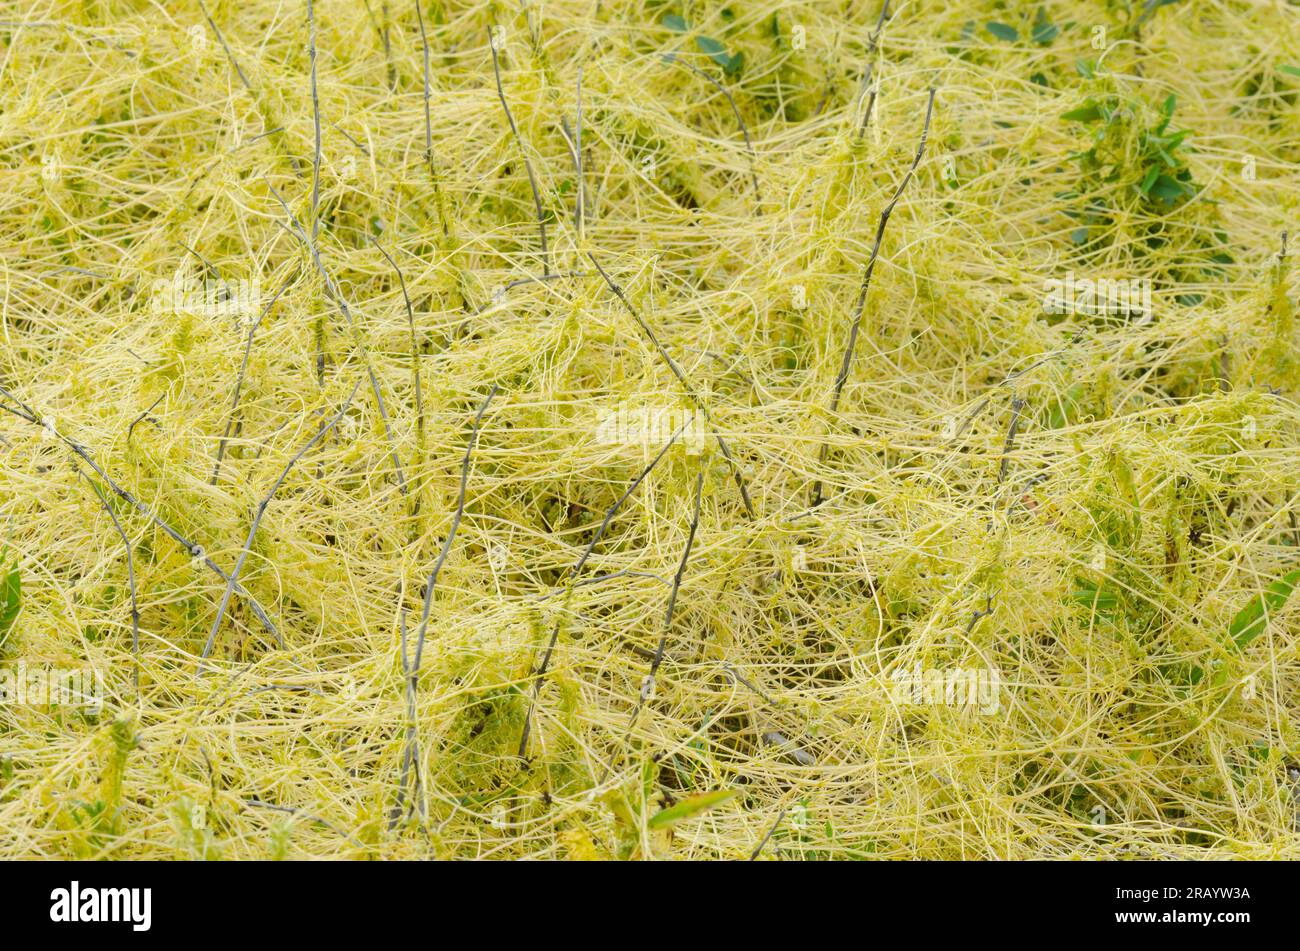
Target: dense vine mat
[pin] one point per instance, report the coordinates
(649, 429)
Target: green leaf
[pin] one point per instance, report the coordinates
(1183, 675)
(1250, 620)
(674, 22)
(621, 810)
(11, 592)
(1044, 29)
(1151, 6)
(718, 53)
(1002, 31)
(688, 808)
(1093, 597)
(1170, 142)
(1066, 407)
(711, 47)
(1289, 70)
(1167, 190)
(649, 779)
(1152, 173)
(1088, 112)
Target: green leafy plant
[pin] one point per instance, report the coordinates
(194, 836)
(634, 812)
(1247, 624)
(1164, 176)
(1277, 353)
(1095, 597)
(1149, 8)
(122, 739)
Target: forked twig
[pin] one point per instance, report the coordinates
(686, 384)
(211, 267)
(257, 521)
(332, 290)
(130, 580)
(145, 415)
(545, 664)
(411, 666)
(222, 40)
(847, 362)
(239, 382)
(528, 165)
(25, 412)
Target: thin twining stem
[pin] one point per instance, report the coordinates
(315, 118)
(657, 658)
(740, 120)
(580, 199)
(222, 40)
(758, 849)
(866, 78)
(415, 352)
(428, 128)
(647, 688)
